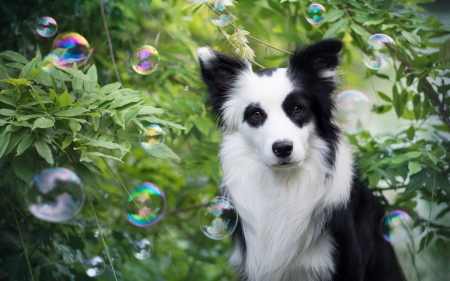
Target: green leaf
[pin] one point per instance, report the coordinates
(336, 28)
(66, 142)
(4, 141)
(410, 133)
(7, 112)
(110, 88)
(412, 38)
(44, 151)
(77, 73)
(148, 110)
(163, 152)
(95, 122)
(71, 112)
(332, 16)
(14, 56)
(27, 68)
(384, 96)
(8, 100)
(374, 22)
(92, 73)
(65, 100)
(24, 144)
(43, 122)
(104, 155)
(432, 157)
(152, 119)
(21, 168)
(103, 144)
(202, 125)
(425, 241)
(75, 126)
(15, 139)
(414, 167)
(360, 30)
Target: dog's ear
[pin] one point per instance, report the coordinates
(319, 59)
(219, 72)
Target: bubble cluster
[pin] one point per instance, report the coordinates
(95, 266)
(153, 137)
(396, 226)
(145, 60)
(46, 26)
(379, 51)
(145, 205)
(55, 195)
(76, 50)
(143, 249)
(217, 218)
(353, 111)
(221, 5)
(315, 13)
(223, 20)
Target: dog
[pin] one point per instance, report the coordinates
(288, 169)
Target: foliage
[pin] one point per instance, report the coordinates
(66, 118)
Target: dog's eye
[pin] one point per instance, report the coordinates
(297, 109)
(257, 114)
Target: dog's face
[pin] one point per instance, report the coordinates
(277, 111)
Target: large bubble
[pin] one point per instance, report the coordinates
(153, 137)
(142, 249)
(55, 195)
(353, 111)
(396, 226)
(95, 266)
(145, 60)
(315, 13)
(46, 26)
(145, 205)
(379, 51)
(217, 218)
(77, 50)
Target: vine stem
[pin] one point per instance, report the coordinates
(249, 36)
(23, 244)
(431, 207)
(102, 8)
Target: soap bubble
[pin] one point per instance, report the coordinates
(223, 20)
(145, 205)
(353, 111)
(46, 26)
(145, 60)
(77, 50)
(220, 5)
(315, 13)
(396, 226)
(217, 218)
(186, 88)
(379, 51)
(153, 137)
(55, 195)
(143, 249)
(95, 266)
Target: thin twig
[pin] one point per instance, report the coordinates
(176, 211)
(109, 42)
(23, 244)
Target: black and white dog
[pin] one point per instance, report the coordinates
(304, 215)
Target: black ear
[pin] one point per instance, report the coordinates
(219, 72)
(319, 59)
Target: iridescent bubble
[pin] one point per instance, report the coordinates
(143, 249)
(217, 218)
(221, 5)
(145, 205)
(396, 226)
(46, 26)
(379, 51)
(55, 195)
(145, 60)
(76, 47)
(49, 62)
(153, 137)
(353, 111)
(95, 266)
(315, 13)
(223, 20)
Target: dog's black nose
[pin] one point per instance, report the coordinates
(282, 148)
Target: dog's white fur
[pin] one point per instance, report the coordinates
(282, 208)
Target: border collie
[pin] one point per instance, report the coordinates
(304, 215)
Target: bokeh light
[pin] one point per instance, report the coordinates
(353, 111)
(396, 226)
(153, 137)
(46, 26)
(315, 13)
(95, 266)
(145, 60)
(379, 51)
(55, 195)
(142, 249)
(217, 218)
(145, 205)
(77, 50)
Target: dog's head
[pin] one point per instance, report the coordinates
(280, 110)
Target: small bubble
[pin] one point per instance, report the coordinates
(46, 27)
(145, 205)
(145, 60)
(223, 20)
(186, 88)
(379, 51)
(95, 266)
(97, 234)
(396, 226)
(353, 111)
(315, 13)
(142, 249)
(153, 137)
(217, 218)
